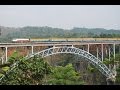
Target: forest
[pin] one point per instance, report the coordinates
(8, 33)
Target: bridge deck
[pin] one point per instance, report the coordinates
(57, 43)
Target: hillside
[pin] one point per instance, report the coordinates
(45, 32)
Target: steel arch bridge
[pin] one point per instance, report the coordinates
(72, 50)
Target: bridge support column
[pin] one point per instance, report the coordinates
(82, 47)
(114, 50)
(114, 54)
(102, 51)
(106, 52)
(6, 54)
(88, 47)
(72, 46)
(109, 58)
(32, 49)
(97, 52)
(53, 46)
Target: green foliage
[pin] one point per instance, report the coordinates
(1, 75)
(28, 72)
(106, 61)
(35, 72)
(91, 69)
(14, 57)
(64, 76)
(117, 59)
(118, 76)
(5, 68)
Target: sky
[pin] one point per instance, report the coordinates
(61, 16)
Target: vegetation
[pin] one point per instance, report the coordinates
(64, 76)
(28, 72)
(36, 71)
(49, 32)
(117, 62)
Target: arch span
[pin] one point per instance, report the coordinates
(73, 50)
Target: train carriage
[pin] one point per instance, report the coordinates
(25, 40)
(20, 40)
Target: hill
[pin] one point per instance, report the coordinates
(9, 33)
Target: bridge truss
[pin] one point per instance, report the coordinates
(72, 50)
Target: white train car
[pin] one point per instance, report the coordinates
(20, 40)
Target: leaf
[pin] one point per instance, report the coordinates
(5, 68)
(1, 74)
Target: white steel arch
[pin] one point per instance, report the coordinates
(73, 50)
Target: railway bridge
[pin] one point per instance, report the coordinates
(94, 51)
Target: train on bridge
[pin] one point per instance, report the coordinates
(26, 40)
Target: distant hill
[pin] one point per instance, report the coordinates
(97, 31)
(45, 32)
(7, 30)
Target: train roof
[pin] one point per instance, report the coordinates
(16, 39)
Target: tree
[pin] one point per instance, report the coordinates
(28, 72)
(64, 76)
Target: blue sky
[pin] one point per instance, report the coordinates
(61, 16)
